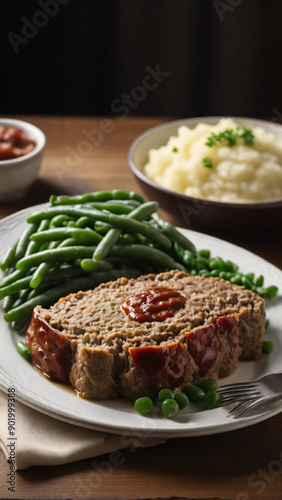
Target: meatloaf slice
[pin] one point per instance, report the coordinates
(91, 338)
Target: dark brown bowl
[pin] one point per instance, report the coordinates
(194, 212)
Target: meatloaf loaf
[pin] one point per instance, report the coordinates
(133, 337)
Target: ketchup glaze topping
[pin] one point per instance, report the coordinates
(153, 304)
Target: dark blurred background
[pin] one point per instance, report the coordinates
(141, 57)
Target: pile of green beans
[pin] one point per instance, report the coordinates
(80, 241)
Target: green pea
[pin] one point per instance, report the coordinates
(165, 394)
(211, 400)
(204, 253)
(143, 405)
(194, 393)
(170, 408)
(250, 277)
(259, 281)
(215, 273)
(271, 292)
(267, 347)
(247, 283)
(201, 266)
(216, 263)
(208, 385)
(225, 275)
(229, 266)
(182, 400)
(237, 279)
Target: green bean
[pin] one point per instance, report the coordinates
(35, 246)
(127, 203)
(24, 240)
(8, 302)
(110, 207)
(33, 292)
(128, 224)
(54, 255)
(22, 297)
(14, 287)
(58, 233)
(39, 275)
(83, 222)
(24, 328)
(23, 350)
(70, 286)
(97, 196)
(113, 234)
(21, 322)
(143, 252)
(13, 276)
(144, 211)
(126, 239)
(43, 269)
(91, 265)
(9, 257)
(86, 236)
(69, 242)
(174, 235)
(58, 220)
(106, 244)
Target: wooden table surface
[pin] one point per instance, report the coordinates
(240, 465)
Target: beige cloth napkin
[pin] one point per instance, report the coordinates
(43, 440)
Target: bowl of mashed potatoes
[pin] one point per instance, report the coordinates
(213, 172)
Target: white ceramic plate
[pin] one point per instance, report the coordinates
(118, 415)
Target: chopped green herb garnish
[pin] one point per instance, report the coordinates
(175, 149)
(232, 137)
(207, 162)
(248, 136)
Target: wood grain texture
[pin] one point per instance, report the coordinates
(239, 465)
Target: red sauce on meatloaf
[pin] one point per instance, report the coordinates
(161, 362)
(50, 350)
(153, 304)
(14, 143)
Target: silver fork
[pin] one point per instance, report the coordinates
(265, 388)
(254, 407)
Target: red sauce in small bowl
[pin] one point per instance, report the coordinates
(14, 143)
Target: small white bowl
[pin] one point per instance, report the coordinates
(18, 174)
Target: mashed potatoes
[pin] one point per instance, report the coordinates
(241, 174)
